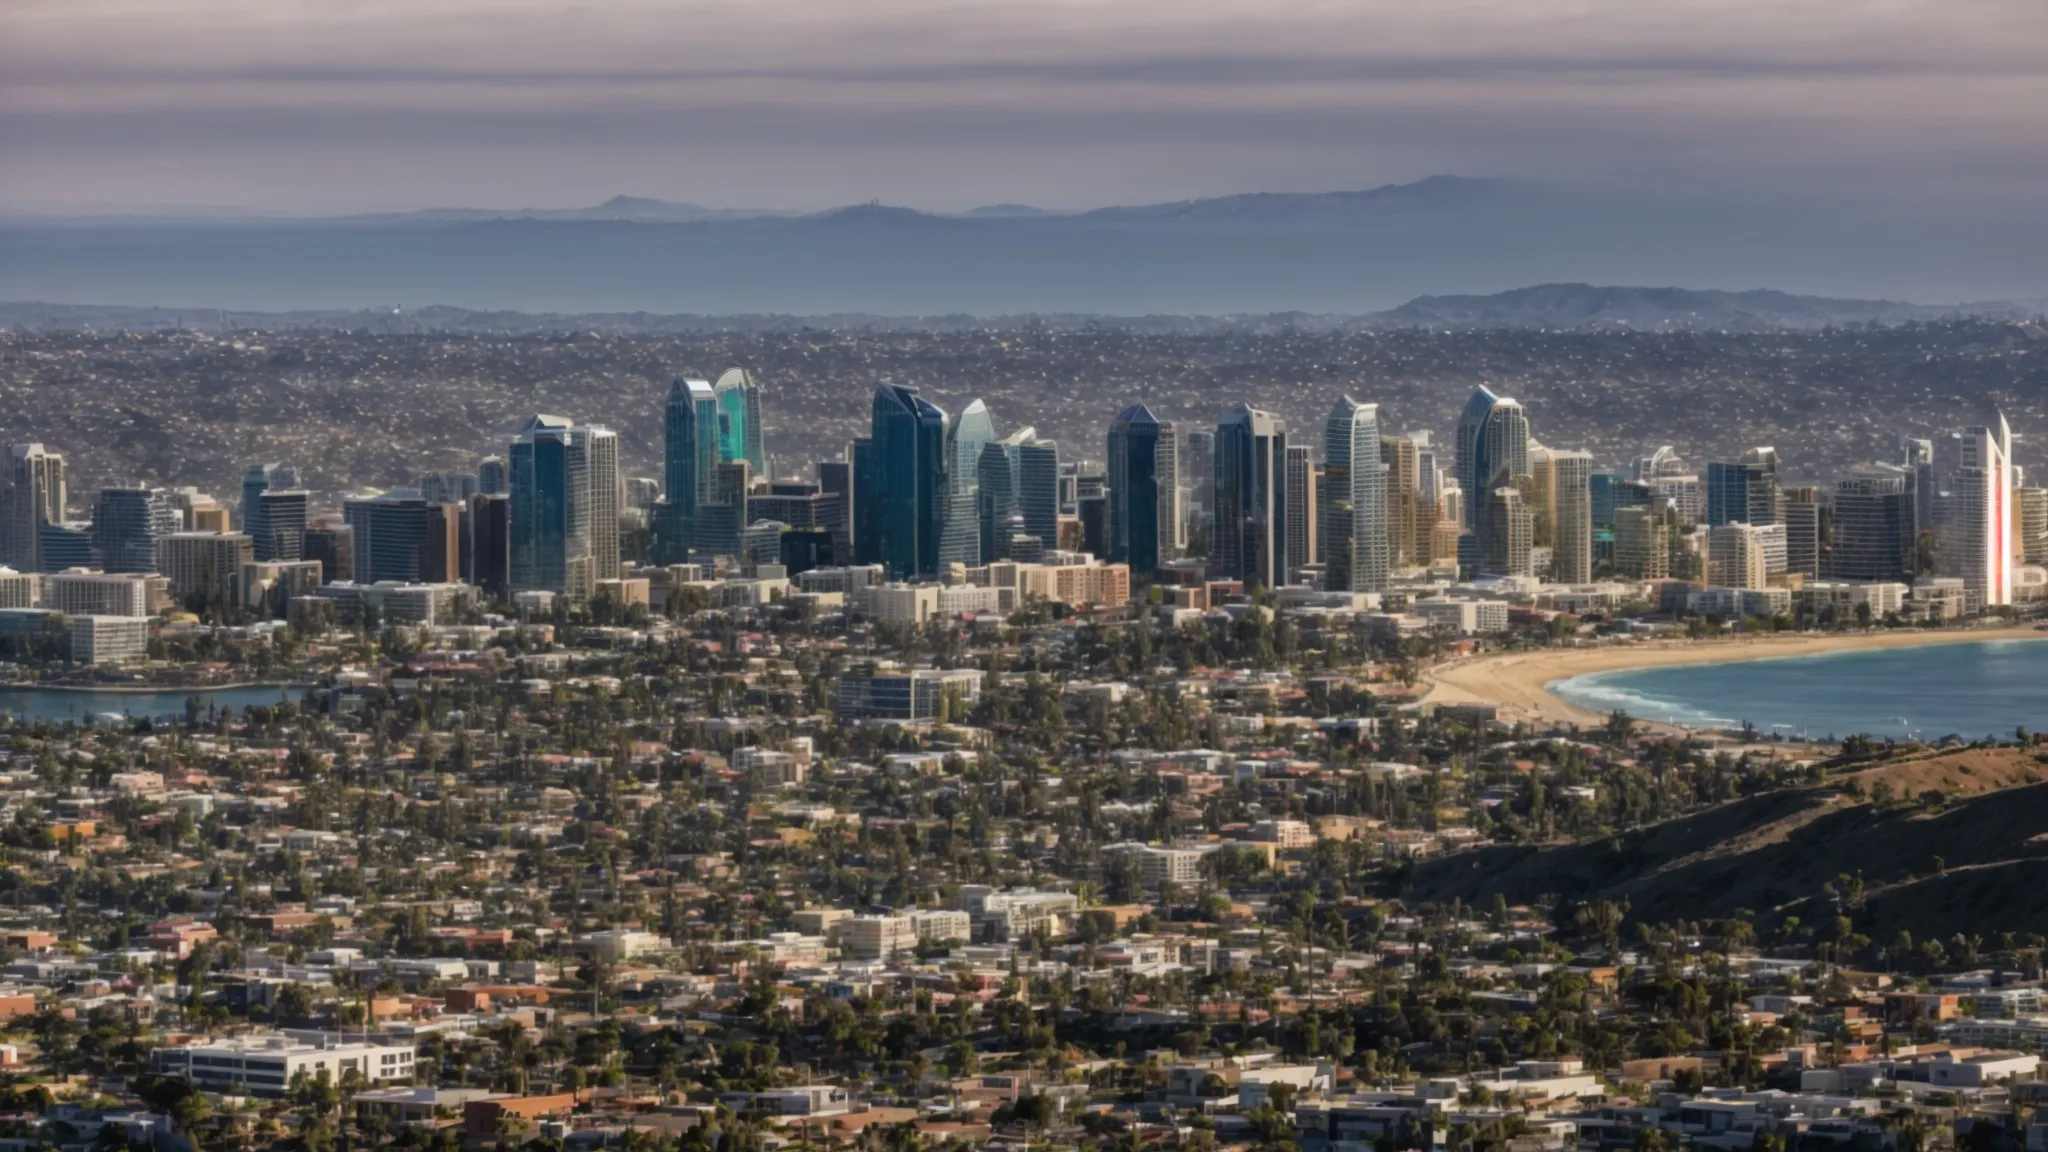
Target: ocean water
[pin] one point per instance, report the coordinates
(1972, 689)
(61, 706)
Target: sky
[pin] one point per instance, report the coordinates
(333, 106)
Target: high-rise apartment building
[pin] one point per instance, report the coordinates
(1142, 519)
(1493, 447)
(1735, 557)
(203, 563)
(1407, 534)
(1642, 542)
(1571, 517)
(1301, 509)
(2031, 505)
(1976, 538)
(1198, 473)
(1249, 541)
(32, 495)
(1356, 546)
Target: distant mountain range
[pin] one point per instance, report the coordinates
(1461, 242)
(1250, 208)
(1554, 307)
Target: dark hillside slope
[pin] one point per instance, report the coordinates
(1772, 854)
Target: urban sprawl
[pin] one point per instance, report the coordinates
(971, 792)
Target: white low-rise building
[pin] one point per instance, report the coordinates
(265, 1064)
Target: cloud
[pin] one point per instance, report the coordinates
(380, 103)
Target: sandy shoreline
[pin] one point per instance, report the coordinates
(1518, 681)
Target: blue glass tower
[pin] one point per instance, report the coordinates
(903, 484)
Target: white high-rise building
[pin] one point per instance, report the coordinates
(1735, 557)
(1357, 553)
(1571, 517)
(31, 495)
(1977, 545)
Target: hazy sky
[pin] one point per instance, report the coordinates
(343, 105)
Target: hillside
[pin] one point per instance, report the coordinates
(1583, 306)
(1976, 864)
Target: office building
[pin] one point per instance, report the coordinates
(399, 537)
(1357, 551)
(256, 481)
(1806, 523)
(1493, 448)
(1874, 528)
(109, 639)
(80, 593)
(332, 542)
(126, 524)
(1508, 531)
(1301, 510)
(488, 558)
(493, 476)
(1198, 473)
(1735, 557)
(913, 695)
(265, 1064)
(1142, 517)
(283, 514)
(32, 495)
(739, 420)
(203, 564)
(66, 546)
(1038, 487)
(835, 512)
(1744, 491)
(1571, 517)
(902, 481)
(1250, 514)
(966, 439)
(689, 452)
(564, 508)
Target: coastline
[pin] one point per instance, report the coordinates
(148, 690)
(1518, 683)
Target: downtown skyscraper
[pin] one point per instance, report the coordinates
(32, 495)
(901, 484)
(1249, 536)
(1356, 547)
(564, 510)
(1144, 492)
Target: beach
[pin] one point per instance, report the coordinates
(1517, 682)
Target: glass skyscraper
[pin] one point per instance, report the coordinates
(1143, 515)
(1251, 496)
(901, 484)
(1356, 544)
(565, 507)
